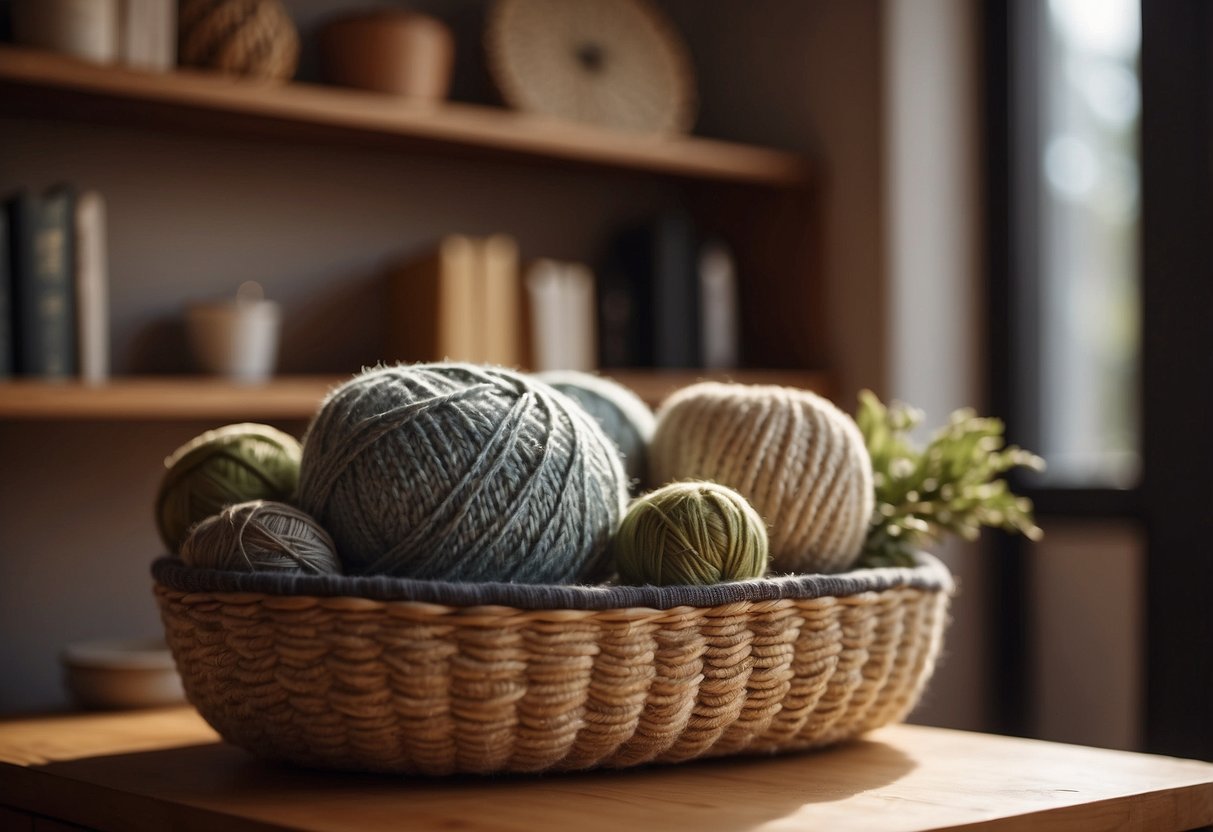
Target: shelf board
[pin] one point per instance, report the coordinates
(56, 85)
(164, 397)
(655, 385)
(283, 398)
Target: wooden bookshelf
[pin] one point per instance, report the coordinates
(283, 398)
(40, 83)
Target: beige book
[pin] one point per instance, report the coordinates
(147, 34)
(435, 309)
(501, 299)
(92, 288)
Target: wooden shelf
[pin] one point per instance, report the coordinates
(655, 385)
(47, 84)
(285, 397)
(164, 397)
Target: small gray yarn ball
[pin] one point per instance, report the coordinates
(261, 536)
(625, 418)
(459, 472)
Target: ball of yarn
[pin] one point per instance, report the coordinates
(253, 38)
(798, 459)
(691, 533)
(261, 536)
(221, 467)
(626, 419)
(458, 472)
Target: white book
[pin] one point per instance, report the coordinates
(544, 289)
(718, 327)
(148, 34)
(580, 318)
(92, 288)
(164, 43)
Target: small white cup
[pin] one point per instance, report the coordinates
(235, 338)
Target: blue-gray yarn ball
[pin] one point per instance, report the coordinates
(627, 420)
(463, 473)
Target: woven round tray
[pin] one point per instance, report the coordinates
(393, 675)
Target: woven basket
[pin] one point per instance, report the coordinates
(392, 675)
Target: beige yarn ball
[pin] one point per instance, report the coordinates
(798, 459)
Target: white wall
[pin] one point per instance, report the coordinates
(934, 275)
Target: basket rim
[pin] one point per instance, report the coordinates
(928, 574)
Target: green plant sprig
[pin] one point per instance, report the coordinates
(950, 487)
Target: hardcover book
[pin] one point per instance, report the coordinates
(436, 305)
(43, 283)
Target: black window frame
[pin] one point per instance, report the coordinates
(1173, 502)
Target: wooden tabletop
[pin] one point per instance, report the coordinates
(166, 769)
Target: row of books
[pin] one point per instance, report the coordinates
(662, 297)
(135, 33)
(54, 305)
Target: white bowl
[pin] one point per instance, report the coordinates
(114, 674)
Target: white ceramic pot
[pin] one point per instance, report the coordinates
(237, 339)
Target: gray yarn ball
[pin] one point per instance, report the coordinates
(458, 472)
(261, 536)
(625, 418)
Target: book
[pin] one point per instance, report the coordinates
(563, 316)
(718, 310)
(85, 29)
(546, 326)
(147, 34)
(500, 295)
(580, 313)
(625, 309)
(435, 306)
(675, 281)
(6, 293)
(648, 297)
(43, 284)
(92, 288)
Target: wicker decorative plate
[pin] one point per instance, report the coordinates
(395, 675)
(616, 63)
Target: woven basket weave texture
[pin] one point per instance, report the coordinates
(419, 687)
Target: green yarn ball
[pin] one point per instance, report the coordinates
(691, 533)
(232, 464)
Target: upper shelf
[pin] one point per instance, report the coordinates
(46, 83)
(284, 397)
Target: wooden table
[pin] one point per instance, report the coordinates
(166, 769)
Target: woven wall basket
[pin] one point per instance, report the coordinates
(393, 675)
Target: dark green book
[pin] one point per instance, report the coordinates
(43, 283)
(6, 293)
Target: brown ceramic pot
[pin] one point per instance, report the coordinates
(398, 52)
